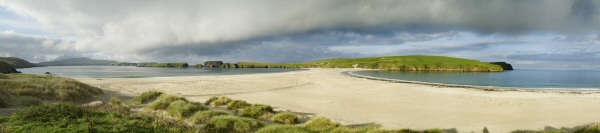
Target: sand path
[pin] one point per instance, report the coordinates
(350, 100)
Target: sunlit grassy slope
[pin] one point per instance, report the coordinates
(408, 63)
(24, 89)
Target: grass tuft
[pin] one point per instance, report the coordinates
(321, 124)
(237, 104)
(182, 108)
(285, 118)
(284, 129)
(221, 101)
(163, 102)
(257, 110)
(203, 117)
(232, 124)
(146, 97)
(210, 100)
(48, 88)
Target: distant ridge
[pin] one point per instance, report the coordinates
(78, 62)
(17, 62)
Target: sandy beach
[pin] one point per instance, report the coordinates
(351, 100)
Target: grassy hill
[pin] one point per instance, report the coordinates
(397, 63)
(17, 62)
(25, 89)
(78, 62)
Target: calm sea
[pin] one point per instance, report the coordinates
(138, 72)
(533, 79)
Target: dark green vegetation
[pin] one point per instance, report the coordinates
(24, 89)
(213, 64)
(73, 118)
(6, 68)
(78, 62)
(17, 62)
(394, 63)
(504, 65)
(154, 64)
(232, 124)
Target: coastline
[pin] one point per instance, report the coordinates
(350, 100)
(481, 88)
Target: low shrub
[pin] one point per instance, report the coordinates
(210, 100)
(256, 111)
(284, 129)
(4, 99)
(28, 101)
(115, 104)
(231, 124)
(237, 104)
(592, 128)
(181, 108)
(72, 118)
(285, 118)
(221, 101)
(321, 124)
(49, 112)
(146, 97)
(202, 117)
(164, 101)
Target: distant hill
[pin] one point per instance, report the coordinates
(17, 62)
(396, 63)
(6, 68)
(78, 62)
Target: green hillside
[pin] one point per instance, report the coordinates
(396, 63)
(78, 62)
(17, 62)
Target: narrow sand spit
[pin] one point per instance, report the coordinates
(350, 100)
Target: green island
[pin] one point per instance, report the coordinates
(394, 63)
(391, 63)
(55, 104)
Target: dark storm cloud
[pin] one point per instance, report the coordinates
(170, 30)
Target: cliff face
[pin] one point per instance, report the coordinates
(504, 65)
(6, 68)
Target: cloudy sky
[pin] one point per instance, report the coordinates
(543, 34)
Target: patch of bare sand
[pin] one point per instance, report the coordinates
(329, 93)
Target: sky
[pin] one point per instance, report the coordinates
(531, 34)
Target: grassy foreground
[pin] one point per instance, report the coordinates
(158, 112)
(25, 90)
(395, 63)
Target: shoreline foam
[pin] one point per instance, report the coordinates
(478, 87)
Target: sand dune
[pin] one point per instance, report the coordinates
(350, 100)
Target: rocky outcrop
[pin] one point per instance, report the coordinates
(504, 65)
(6, 68)
(213, 63)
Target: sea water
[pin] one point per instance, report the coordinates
(138, 72)
(523, 78)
